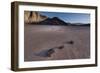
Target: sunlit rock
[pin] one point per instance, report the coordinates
(33, 17)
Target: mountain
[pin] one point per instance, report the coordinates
(53, 21)
(35, 18)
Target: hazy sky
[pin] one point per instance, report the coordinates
(69, 17)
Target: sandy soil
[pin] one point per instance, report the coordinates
(40, 38)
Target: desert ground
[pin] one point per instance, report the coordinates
(38, 39)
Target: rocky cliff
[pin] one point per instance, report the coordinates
(33, 17)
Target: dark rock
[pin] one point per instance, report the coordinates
(70, 42)
(61, 47)
(50, 52)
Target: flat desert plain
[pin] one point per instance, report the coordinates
(38, 39)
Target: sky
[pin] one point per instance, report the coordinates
(69, 17)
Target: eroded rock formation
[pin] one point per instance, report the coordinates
(33, 17)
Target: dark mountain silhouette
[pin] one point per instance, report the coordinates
(58, 21)
(79, 24)
(53, 21)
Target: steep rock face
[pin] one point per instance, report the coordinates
(33, 17)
